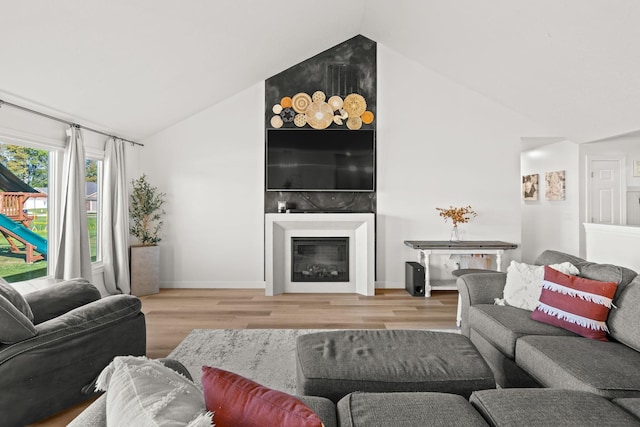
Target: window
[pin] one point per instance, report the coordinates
(24, 211)
(93, 183)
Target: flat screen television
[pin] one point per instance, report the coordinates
(320, 160)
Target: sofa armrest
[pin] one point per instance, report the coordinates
(82, 320)
(95, 415)
(60, 298)
(478, 288)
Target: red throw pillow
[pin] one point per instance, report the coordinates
(239, 402)
(574, 303)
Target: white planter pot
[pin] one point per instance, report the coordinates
(145, 270)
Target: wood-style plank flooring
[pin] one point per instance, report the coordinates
(173, 313)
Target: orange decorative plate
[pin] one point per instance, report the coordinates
(285, 102)
(367, 117)
(319, 115)
(300, 102)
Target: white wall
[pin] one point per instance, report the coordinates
(550, 224)
(212, 168)
(626, 147)
(440, 144)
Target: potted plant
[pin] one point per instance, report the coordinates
(145, 212)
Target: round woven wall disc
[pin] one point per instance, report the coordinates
(335, 102)
(318, 96)
(300, 102)
(287, 115)
(367, 117)
(354, 123)
(355, 105)
(319, 115)
(300, 120)
(285, 102)
(276, 122)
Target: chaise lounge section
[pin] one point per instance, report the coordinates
(523, 352)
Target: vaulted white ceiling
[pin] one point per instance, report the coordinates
(134, 67)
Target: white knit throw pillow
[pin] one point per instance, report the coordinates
(524, 283)
(143, 392)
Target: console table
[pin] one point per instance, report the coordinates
(426, 248)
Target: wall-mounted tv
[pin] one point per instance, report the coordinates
(320, 160)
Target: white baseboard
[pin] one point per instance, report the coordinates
(212, 285)
(249, 285)
(390, 285)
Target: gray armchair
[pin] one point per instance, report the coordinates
(77, 334)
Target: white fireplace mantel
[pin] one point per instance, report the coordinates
(359, 227)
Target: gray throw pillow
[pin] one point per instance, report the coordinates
(15, 298)
(14, 325)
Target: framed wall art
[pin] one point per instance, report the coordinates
(530, 187)
(554, 185)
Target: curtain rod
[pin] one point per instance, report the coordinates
(57, 119)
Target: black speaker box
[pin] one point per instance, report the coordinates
(414, 278)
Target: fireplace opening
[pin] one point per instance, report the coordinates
(319, 259)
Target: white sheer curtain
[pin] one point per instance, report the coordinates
(115, 219)
(73, 258)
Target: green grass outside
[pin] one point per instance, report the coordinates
(13, 267)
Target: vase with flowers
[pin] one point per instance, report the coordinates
(457, 216)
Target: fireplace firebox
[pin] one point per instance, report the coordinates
(319, 259)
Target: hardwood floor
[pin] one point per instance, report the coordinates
(173, 313)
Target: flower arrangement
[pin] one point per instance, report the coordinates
(458, 215)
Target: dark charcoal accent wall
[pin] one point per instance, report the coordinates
(349, 67)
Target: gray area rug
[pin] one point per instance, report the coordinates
(266, 356)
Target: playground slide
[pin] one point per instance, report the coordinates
(38, 242)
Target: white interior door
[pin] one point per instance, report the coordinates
(604, 192)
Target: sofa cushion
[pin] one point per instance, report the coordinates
(406, 409)
(608, 369)
(238, 401)
(549, 257)
(15, 298)
(145, 392)
(624, 318)
(333, 364)
(607, 273)
(524, 282)
(14, 325)
(590, 270)
(322, 406)
(548, 407)
(503, 325)
(631, 405)
(574, 303)
(60, 298)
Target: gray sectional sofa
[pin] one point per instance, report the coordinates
(549, 376)
(525, 353)
(503, 407)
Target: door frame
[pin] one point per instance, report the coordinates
(622, 161)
